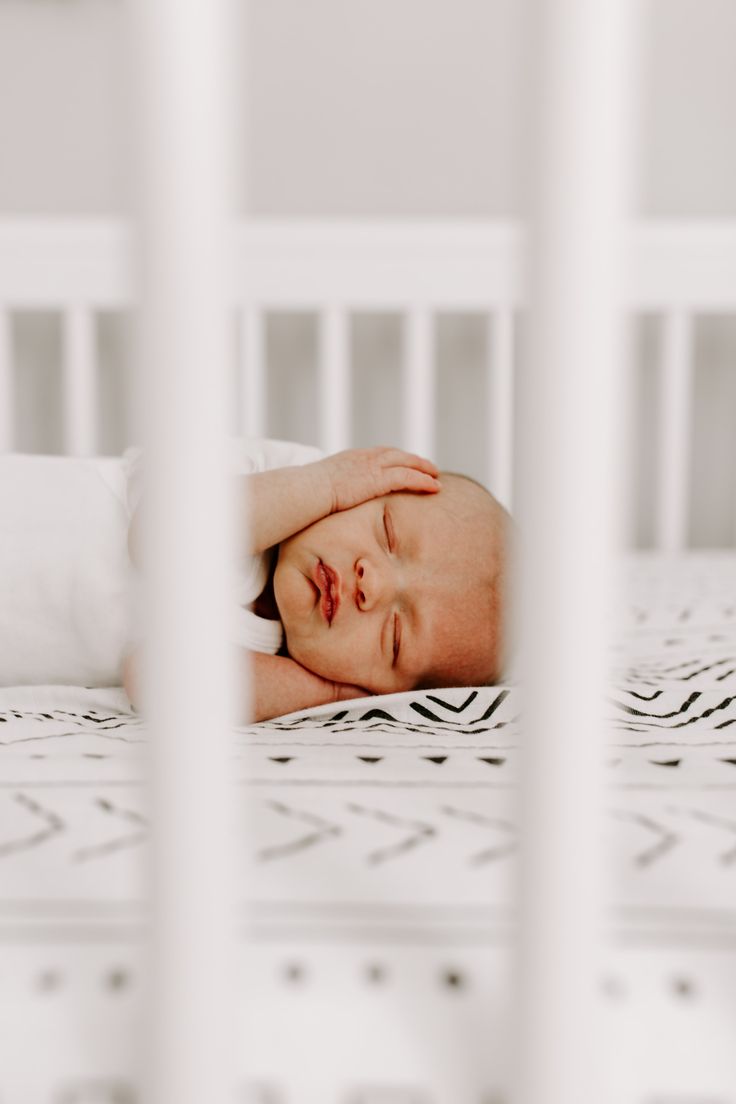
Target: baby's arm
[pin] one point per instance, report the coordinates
(278, 685)
(281, 685)
(284, 501)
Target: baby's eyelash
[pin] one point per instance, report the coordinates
(388, 529)
(397, 639)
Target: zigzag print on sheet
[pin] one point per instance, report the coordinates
(379, 845)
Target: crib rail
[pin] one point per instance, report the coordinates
(337, 269)
(47, 263)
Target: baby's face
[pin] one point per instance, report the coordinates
(392, 593)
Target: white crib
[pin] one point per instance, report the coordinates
(417, 271)
(336, 271)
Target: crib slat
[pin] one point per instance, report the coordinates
(571, 524)
(675, 390)
(7, 385)
(335, 382)
(183, 51)
(500, 418)
(79, 358)
(419, 383)
(253, 376)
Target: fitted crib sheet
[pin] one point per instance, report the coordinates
(377, 880)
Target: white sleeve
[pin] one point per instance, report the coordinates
(246, 455)
(257, 454)
(133, 471)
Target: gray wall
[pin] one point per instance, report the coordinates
(375, 108)
(361, 107)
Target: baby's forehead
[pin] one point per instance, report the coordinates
(460, 548)
(457, 555)
(451, 515)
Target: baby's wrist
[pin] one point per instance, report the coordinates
(321, 487)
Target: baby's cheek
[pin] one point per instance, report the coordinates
(316, 655)
(344, 663)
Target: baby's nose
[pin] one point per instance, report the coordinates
(370, 585)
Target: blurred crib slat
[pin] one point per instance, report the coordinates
(335, 390)
(252, 370)
(79, 365)
(500, 415)
(7, 384)
(186, 142)
(675, 436)
(419, 382)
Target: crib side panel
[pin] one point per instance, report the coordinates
(337, 271)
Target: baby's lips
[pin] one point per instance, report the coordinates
(328, 582)
(335, 589)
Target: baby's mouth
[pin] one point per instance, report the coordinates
(327, 582)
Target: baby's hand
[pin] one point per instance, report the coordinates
(358, 475)
(281, 685)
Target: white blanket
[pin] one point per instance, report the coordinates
(379, 848)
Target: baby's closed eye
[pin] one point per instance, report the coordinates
(396, 639)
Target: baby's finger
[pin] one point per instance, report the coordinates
(409, 479)
(412, 460)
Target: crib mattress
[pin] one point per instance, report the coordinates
(377, 895)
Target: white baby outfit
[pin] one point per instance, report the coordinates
(69, 595)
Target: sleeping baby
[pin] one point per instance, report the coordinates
(366, 572)
(370, 573)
